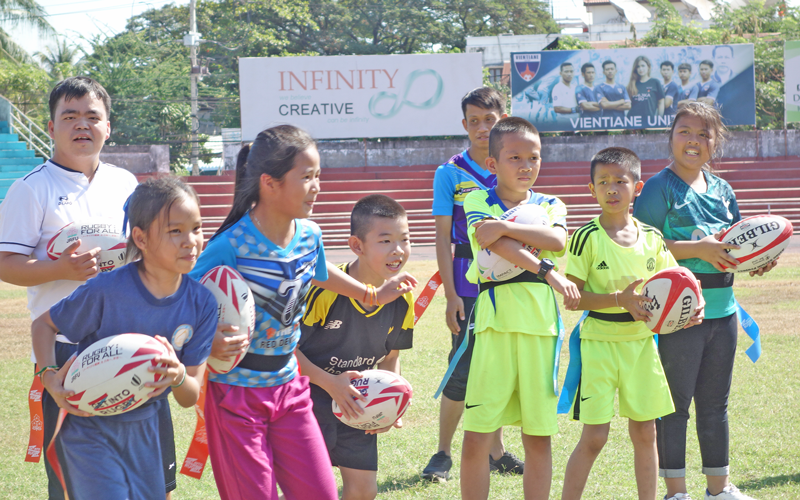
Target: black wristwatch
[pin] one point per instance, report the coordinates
(544, 267)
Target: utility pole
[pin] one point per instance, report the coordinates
(192, 40)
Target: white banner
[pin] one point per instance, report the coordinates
(791, 70)
(338, 97)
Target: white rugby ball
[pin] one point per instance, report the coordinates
(93, 233)
(676, 294)
(235, 306)
(491, 266)
(388, 397)
(108, 377)
(761, 238)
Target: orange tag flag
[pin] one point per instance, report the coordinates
(424, 299)
(197, 456)
(52, 456)
(36, 441)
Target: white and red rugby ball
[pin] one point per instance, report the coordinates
(93, 233)
(108, 377)
(235, 306)
(676, 294)
(761, 238)
(491, 266)
(388, 397)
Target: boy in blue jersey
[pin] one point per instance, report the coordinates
(463, 173)
(708, 88)
(587, 101)
(612, 96)
(671, 88)
(686, 91)
(512, 375)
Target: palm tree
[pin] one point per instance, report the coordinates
(60, 59)
(20, 13)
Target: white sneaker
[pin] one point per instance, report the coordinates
(679, 496)
(730, 492)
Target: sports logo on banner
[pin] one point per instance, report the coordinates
(527, 65)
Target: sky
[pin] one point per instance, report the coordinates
(87, 18)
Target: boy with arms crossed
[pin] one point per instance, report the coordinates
(72, 185)
(342, 337)
(511, 379)
(609, 258)
(463, 173)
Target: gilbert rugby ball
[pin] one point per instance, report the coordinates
(235, 306)
(761, 238)
(676, 294)
(93, 233)
(388, 397)
(108, 377)
(491, 266)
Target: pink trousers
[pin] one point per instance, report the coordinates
(259, 438)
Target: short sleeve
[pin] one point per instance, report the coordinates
(672, 90)
(660, 94)
(713, 90)
(321, 269)
(476, 210)
(693, 92)
(405, 339)
(651, 206)
(733, 208)
(80, 314)
(21, 217)
(579, 95)
(218, 252)
(196, 351)
(580, 254)
(664, 258)
(318, 303)
(443, 189)
(557, 213)
(625, 94)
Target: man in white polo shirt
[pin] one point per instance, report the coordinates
(563, 95)
(72, 185)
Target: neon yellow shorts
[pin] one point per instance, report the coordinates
(634, 368)
(511, 383)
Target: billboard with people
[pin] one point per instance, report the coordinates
(632, 88)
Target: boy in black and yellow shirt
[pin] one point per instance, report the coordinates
(341, 337)
(608, 259)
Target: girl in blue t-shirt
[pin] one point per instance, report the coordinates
(259, 421)
(646, 92)
(119, 456)
(691, 206)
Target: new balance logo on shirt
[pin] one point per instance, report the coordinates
(333, 324)
(602, 266)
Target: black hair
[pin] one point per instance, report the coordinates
(76, 87)
(585, 67)
(369, 207)
(714, 50)
(484, 98)
(623, 157)
(509, 125)
(707, 63)
(608, 61)
(685, 66)
(150, 200)
(272, 153)
(667, 63)
(712, 119)
(564, 64)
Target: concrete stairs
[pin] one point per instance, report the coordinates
(761, 186)
(15, 159)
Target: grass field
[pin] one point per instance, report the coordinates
(764, 410)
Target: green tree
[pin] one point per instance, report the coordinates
(60, 60)
(25, 85)
(14, 13)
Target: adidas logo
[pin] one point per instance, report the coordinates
(602, 266)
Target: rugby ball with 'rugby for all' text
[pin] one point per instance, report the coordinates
(108, 377)
(93, 233)
(388, 397)
(675, 294)
(761, 238)
(491, 266)
(235, 306)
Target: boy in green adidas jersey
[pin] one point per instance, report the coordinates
(511, 376)
(608, 259)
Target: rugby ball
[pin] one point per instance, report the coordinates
(761, 238)
(235, 306)
(388, 397)
(93, 233)
(108, 377)
(491, 266)
(676, 294)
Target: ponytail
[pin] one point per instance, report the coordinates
(272, 153)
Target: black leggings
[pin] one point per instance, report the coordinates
(698, 363)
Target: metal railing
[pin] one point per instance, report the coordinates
(28, 131)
